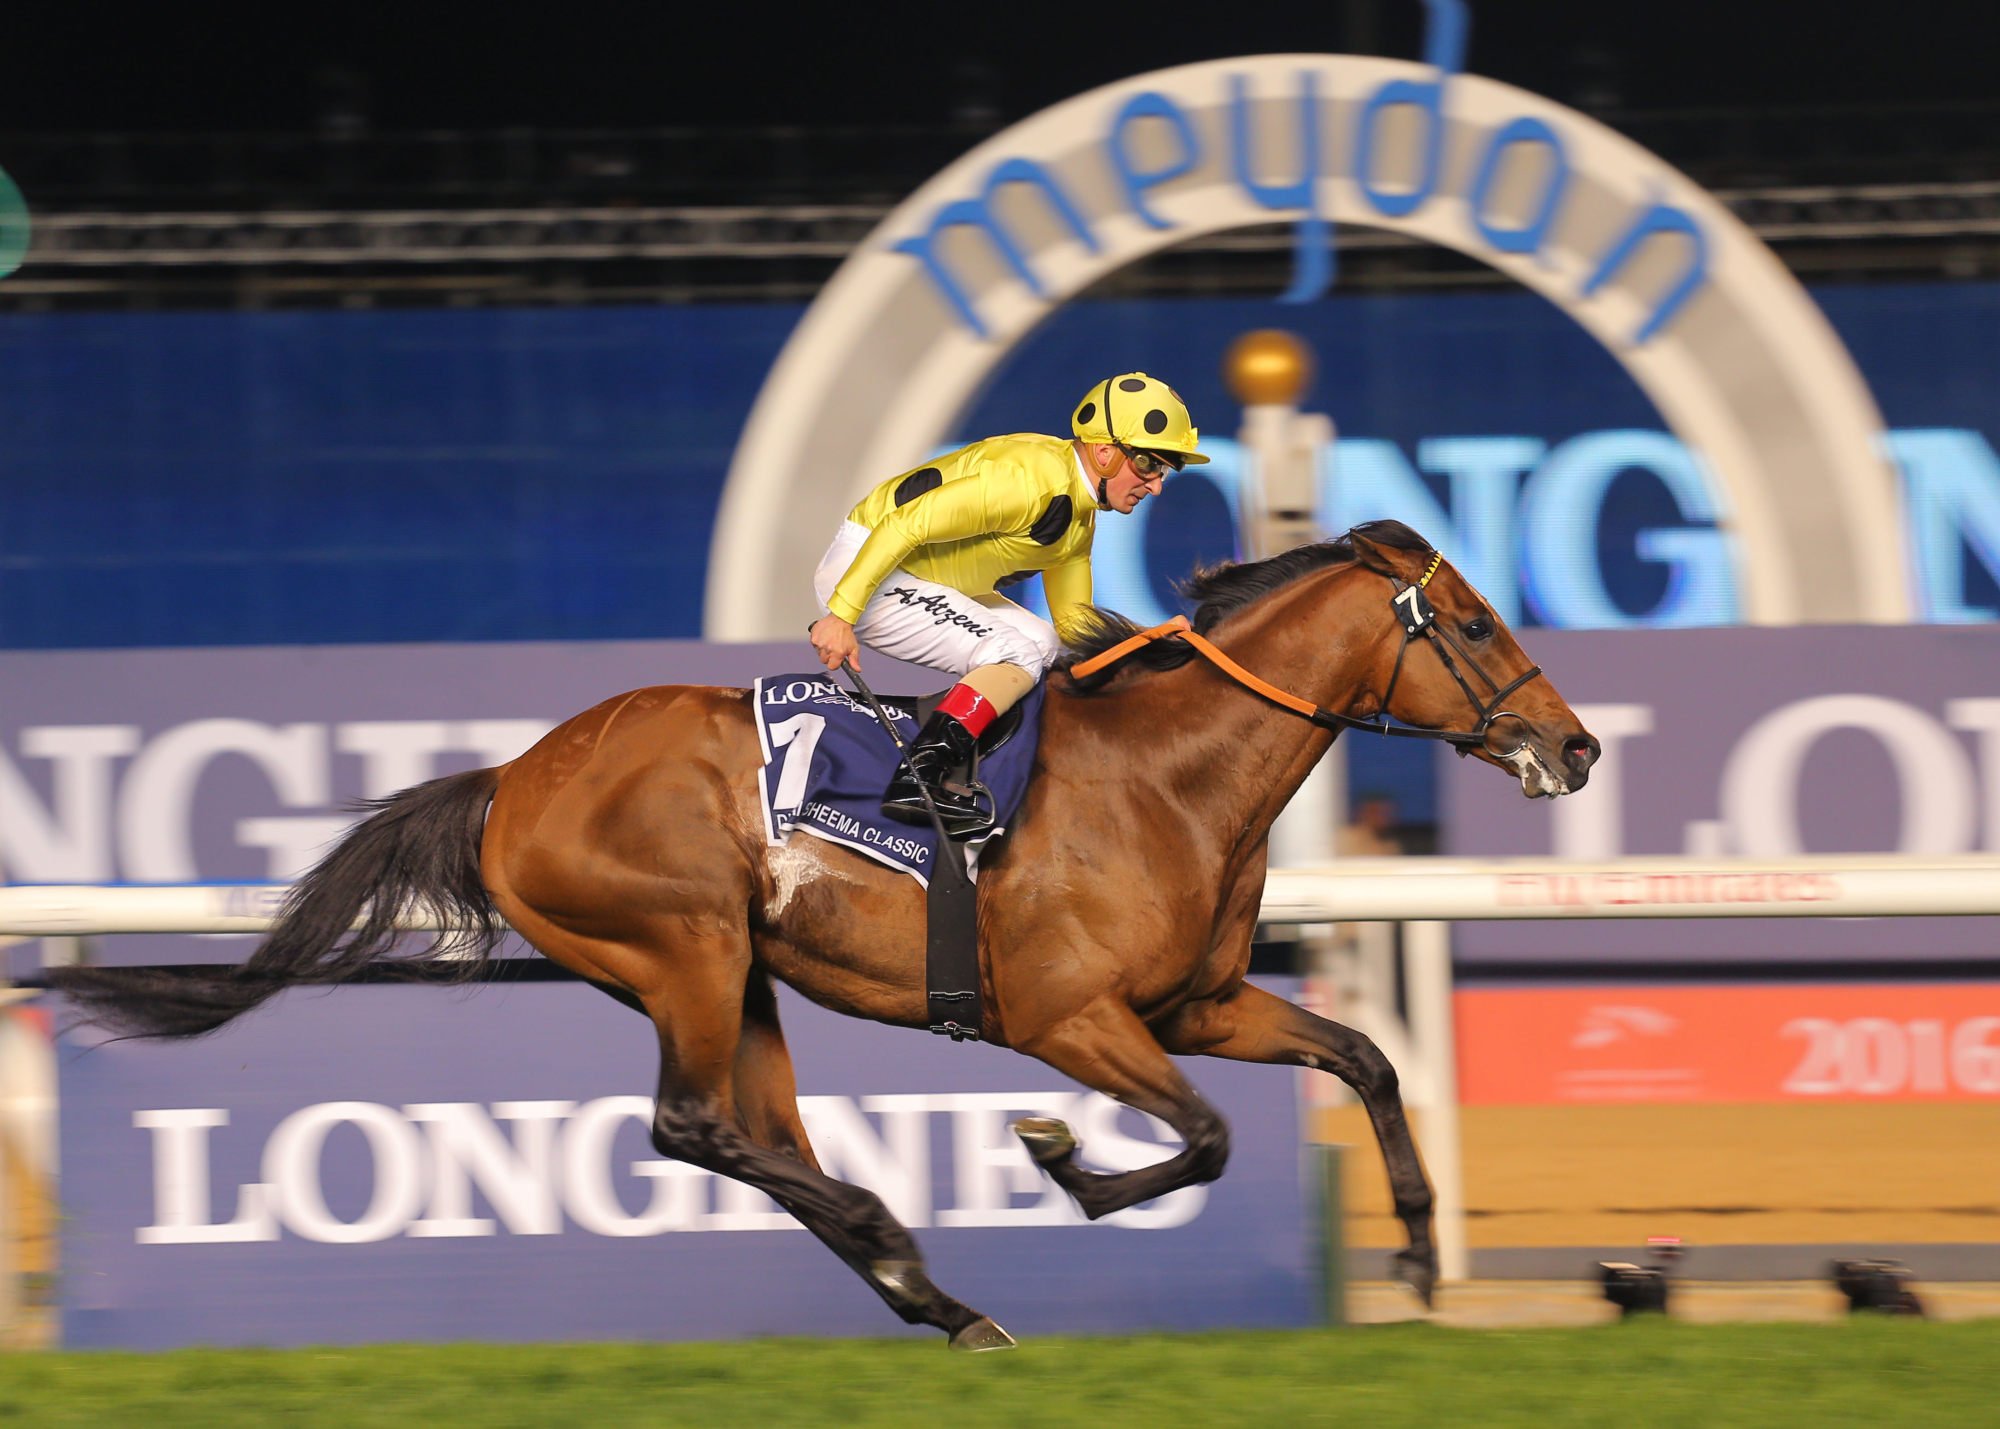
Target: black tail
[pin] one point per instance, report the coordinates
(417, 849)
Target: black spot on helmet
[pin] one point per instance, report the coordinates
(1156, 422)
(1132, 384)
(1086, 412)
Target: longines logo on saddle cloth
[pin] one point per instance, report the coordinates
(827, 758)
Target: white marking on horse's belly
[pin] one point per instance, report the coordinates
(793, 864)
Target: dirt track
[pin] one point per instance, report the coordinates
(1737, 1173)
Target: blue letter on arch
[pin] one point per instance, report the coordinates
(1444, 51)
(979, 212)
(1312, 266)
(1530, 236)
(1661, 217)
(1150, 105)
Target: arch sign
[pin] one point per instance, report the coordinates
(1737, 359)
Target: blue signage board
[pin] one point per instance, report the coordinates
(396, 1163)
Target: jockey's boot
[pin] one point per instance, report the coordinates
(942, 746)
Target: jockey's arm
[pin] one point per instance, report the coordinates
(956, 511)
(1068, 588)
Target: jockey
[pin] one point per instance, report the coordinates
(914, 570)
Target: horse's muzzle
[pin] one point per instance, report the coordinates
(1579, 752)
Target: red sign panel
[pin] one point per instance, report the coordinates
(1765, 1043)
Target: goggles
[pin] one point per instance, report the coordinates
(1152, 463)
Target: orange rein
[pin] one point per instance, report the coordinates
(1179, 629)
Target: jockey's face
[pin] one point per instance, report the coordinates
(1127, 486)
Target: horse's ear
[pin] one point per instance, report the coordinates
(1405, 565)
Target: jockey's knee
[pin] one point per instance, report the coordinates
(1021, 648)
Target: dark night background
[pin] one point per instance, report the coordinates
(86, 67)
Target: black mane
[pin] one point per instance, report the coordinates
(1220, 590)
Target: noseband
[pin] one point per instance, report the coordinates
(1418, 618)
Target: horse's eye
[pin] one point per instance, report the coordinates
(1478, 629)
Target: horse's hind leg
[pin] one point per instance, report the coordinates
(1255, 1026)
(768, 1108)
(1105, 1046)
(767, 1093)
(716, 1046)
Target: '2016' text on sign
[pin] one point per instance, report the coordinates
(1765, 1043)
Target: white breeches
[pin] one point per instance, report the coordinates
(933, 625)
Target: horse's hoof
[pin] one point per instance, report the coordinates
(1046, 1138)
(982, 1334)
(903, 1281)
(1420, 1274)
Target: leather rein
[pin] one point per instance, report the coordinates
(1418, 618)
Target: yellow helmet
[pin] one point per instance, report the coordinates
(1134, 410)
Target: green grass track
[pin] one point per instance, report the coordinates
(1643, 1373)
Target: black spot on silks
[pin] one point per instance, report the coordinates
(917, 483)
(1050, 525)
(1156, 421)
(1132, 384)
(1085, 413)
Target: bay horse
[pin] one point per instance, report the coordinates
(1115, 919)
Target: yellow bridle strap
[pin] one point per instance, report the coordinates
(1437, 559)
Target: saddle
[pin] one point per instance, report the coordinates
(826, 761)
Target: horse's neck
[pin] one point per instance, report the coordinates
(1255, 754)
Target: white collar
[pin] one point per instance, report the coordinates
(1084, 482)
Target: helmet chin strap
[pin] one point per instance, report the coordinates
(1104, 473)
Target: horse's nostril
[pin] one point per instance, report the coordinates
(1580, 752)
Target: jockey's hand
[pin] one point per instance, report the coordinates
(833, 641)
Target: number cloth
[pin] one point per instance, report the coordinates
(826, 761)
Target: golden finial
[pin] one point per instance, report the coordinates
(1268, 368)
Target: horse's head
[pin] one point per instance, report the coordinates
(1446, 661)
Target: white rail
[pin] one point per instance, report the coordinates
(1425, 893)
(1354, 891)
(1466, 890)
(76, 910)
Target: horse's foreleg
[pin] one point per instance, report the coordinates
(1255, 1026)
(1105, 1046)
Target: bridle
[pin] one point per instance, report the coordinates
(1418, 618)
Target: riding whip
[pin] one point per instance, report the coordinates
(945, 845)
